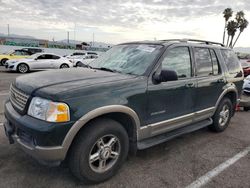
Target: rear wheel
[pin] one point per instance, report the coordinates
(99, 151)
(64, 66)
(3, 61)
(222, 115)
(78, 64)
(22, 68)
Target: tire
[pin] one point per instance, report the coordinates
(246, 109)
(63, 66)
(88, 143)
(22, 68)
(222, 115)
(3, 61)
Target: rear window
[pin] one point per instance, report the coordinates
(204, 64)
(231, 61)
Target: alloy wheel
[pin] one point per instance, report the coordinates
(104, 153)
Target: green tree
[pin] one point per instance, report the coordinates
(242, 24)
(227, 15)
(231, 30)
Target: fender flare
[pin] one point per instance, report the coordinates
(231, 88)
(94, 114)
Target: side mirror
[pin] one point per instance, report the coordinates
(165, 76)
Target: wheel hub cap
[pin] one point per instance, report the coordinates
(105, 154)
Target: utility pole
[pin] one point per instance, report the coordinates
(75, 32)
(68, 37)
(8, 30)
(93, 39)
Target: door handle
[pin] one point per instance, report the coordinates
(190, 85)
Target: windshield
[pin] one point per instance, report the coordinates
(128, 59)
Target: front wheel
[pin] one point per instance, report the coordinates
(99, 151)
(222, 115)
(22, 68)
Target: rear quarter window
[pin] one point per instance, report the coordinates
(231, 61)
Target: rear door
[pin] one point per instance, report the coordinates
(210, 81)
(55, 62)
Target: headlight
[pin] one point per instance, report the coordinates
(49, 111)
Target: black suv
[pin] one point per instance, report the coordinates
(32, 51)
(136, 95)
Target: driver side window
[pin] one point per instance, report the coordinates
(178, 59)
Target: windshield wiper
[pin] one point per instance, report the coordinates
(86, 66)
(105, 69)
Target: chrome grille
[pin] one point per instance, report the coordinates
(18, 98)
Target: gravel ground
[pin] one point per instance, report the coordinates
(176, 163)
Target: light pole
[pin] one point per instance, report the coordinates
(8, 30)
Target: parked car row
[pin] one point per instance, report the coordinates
(28, 59)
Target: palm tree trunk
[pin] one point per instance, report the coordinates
(224, 33)
(228, 37)
(237, 39)
(231, 42)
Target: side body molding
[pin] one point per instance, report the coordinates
(96, 113)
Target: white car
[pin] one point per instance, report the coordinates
(39, 61)
(79, 57)
(246, 85)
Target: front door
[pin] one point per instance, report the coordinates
(171, 104)
(42, 62)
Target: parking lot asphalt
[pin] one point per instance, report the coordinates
(176, 163)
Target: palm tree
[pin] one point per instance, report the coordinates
(231, 30)
(243, 25)
(239, 16)
(228, 12)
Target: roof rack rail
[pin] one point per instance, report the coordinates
(194, 40)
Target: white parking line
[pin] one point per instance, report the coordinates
(216, 171)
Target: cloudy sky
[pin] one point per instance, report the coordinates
(115, 21)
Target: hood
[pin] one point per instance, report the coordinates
(65, 80)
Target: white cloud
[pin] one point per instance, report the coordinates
(119, 21)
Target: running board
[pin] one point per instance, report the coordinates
(149, 142)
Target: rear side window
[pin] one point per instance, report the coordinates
(231, 61)
(204, 65)
(55, 57)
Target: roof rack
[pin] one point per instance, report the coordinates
(194, 40)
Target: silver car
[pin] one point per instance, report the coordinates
(39, 61)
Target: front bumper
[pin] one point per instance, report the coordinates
(33, 137)
(10, 67)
